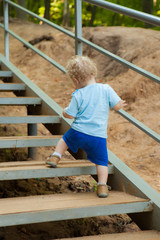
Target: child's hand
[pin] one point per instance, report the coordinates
(66, 115)
(120, 105)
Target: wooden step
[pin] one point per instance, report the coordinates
(140, 235)
(29, 141)
(30, 119)
(38, 169)
(20, 101)
(5, 74)
(6, 87)
(45, 208)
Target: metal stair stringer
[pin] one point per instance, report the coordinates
(125, 179)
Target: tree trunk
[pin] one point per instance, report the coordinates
(66, 14)
(147, 8)
(47, 9)
(1, 8)
(93, 14)
(21, 14)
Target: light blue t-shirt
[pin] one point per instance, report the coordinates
(90, 107)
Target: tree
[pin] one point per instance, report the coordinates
(1, 8)
(47, 9)
(148, 8)
(93, 15)
(66, 14)
(62, 12)
(20, 14)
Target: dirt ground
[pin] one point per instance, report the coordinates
(140, 152)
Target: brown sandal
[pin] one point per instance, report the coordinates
(53, 160)
(102, 190)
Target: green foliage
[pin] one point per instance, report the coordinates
(95, 185)
(56, 11)
(105, 17)
(91, 15)
(12, 10)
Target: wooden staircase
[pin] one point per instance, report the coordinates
(130, 194)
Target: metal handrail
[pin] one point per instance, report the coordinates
(43, 55)
(80, 39)
(140, 125)
(98, 48)
(144, 17)
(121, 60)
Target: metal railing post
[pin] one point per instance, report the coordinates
(32, 131)
(6, 34)
(78, 27)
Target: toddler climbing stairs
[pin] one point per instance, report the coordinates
(129, 194)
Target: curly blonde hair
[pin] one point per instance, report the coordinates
(81, 68)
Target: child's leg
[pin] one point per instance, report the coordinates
(55, 157)
(102, 173)
(61, 147)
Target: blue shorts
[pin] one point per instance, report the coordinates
(95, 147)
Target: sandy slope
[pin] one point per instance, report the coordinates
(139, 46)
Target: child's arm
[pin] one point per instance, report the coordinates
(120, 105)
(66, 115)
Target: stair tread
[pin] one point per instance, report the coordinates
(12, 86)
(41, 164)
(29, 137)
(29, 141)
(19, 97)
(19, 100)
(38, 169)
(5, 74)
(140, 235)
(29, 119)
(63, 201)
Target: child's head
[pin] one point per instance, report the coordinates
(81, 69)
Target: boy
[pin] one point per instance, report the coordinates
(89, 107)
